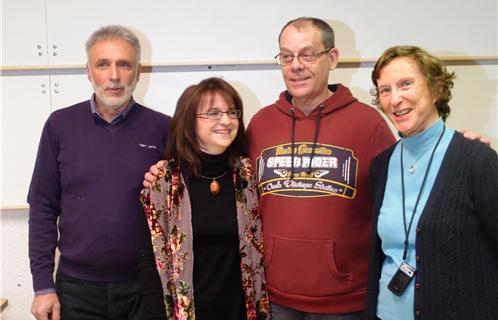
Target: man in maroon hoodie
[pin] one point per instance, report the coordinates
(312, 171)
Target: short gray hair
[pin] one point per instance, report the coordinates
(112, 32)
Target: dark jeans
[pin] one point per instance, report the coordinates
(279, 312)
(90, 300)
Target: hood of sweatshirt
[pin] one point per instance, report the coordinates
(340, 98)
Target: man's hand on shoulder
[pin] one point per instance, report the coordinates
(471, 135)
(46, 307)
(155, 172)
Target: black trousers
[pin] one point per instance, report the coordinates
(89, 300)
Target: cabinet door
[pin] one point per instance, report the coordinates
(25, 107)
(69, 89)
(171, 31)
(68, 33)
(24, 33)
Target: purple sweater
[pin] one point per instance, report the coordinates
(89, 176)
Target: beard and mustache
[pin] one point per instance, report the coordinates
(113, 102)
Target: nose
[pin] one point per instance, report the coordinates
(114, 72)
(396, 97)
(224, 118)
(296, 63)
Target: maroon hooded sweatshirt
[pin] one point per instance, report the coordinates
(315, 202)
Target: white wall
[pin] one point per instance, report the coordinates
(186, 41)
(15, 275)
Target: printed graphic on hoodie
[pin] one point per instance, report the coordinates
(328, 171)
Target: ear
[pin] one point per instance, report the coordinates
(435, 97)
(139, 70)
(88, 72)
(334, 58)
(437, 92)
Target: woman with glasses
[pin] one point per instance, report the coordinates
(203, 231)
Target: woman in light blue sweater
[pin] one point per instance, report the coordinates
(435, 241)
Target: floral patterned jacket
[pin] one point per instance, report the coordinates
(168, 211)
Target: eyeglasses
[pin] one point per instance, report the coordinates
(216, 114)
(285, 59)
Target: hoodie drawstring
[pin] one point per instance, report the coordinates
(317, 129)
(315, 140)
(292, 142)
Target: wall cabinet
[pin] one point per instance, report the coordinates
(43, 56)
(30, 89)
(25, 106)
(24, 33)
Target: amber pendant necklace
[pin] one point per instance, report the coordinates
(214, 186)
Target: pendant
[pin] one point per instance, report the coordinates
(411, 170)
(214, 187)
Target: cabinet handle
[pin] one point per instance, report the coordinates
(39, 47)
(54, 47)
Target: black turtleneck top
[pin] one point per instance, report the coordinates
(218, 292)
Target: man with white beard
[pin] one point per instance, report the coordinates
(84, 193)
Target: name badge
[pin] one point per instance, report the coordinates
(401, 279)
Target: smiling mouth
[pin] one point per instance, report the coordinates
(297, 80)
(402, 112)
(224, 131)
